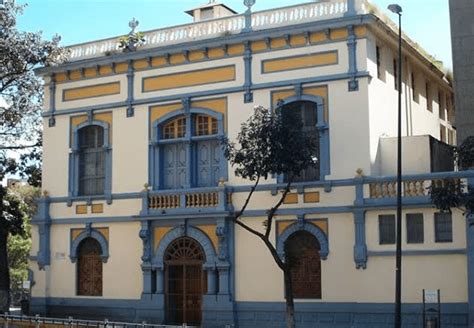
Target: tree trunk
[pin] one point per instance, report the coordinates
(290, 304)
(4, 273)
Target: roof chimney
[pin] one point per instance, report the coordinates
(210, 10)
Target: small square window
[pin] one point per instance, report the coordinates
(443, 228)
(387, 229)
(415, 233)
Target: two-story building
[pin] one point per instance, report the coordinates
(135, 222)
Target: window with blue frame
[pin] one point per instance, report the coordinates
(91, 161)
(307, 110)
(190, 152)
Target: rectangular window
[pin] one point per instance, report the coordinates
(414, 93)
(377, 52)
(415, 233)
(443, 228)
(387, 229)
(395, 74)
(429, 101)
(442, 133)
(442, 105)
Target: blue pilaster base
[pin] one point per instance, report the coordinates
(218, 311)
(151, 309)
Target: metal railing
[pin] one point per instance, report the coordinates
(11, 321)
(214, 28)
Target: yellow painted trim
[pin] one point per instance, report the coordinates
(140, 64)
(158, 111)
(81, 209)
(158, 234)
(258, 46)
(106, 70)
(218, 105)
(104, 232)
(158, 61)
(360, 31)
(318, 37)
(61, 77)
(284, 224)
(90, 72)
(311, 197)
(187, 79)
(177, 59)
(216, 53)
(196, 55)
(236, 49)
(291, 198)
(98, 90)
(297, 40)
(75, 233)
(210, 231)
(75, 75)
(339, 34)
(104, 117)
(281, 95)
(76, 120)
(97, 208)
(278, 43)
(121, 67)
(300, 62)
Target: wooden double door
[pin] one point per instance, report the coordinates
(185, 282)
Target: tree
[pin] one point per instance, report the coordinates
(451, 193)
(271, 143)
(21, 96)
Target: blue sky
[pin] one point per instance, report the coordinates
(77, 21)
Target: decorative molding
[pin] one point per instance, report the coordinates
(302, 225)
(43, 220)
(89, 232)
(360, 247)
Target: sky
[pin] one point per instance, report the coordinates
(77, 21)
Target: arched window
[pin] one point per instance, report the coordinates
(190, 159)
(302, 252)
(91, 161)
(308, 112)
(89, 268)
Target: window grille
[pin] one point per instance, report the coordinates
(415, 229)
(443, 227)
(387, 229)
(91, 161)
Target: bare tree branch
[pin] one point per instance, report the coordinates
(249, 196)
(274, 209)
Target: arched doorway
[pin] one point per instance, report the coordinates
(185, 281)
(89, 268)
(302, 252)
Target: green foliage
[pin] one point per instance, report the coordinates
(451, 193)
(131, 41)
(19, 245)
(271, 143)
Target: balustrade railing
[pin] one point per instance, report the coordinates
(223, 26)
(410, 188)
(199, 198)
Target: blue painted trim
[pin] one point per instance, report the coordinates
(130, 89)
(360, 247)
(248, 96)
(351, 8)
(52, 101)
(156, 158)
(420, 252)
(470, 257)
(43, 220)
(89, 232)
(73, 192)
(302, 225)
(323, 130)
(313, 26)
(212, 92)
(352, 48)
(189, 231)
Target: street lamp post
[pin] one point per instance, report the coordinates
(396, 9)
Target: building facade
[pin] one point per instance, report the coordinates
(462, 35)
(135, 222)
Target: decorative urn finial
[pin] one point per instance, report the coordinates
(249, 3)
(133, 25)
